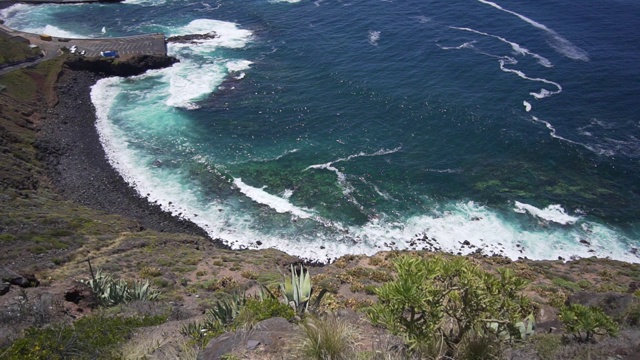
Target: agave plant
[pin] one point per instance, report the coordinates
(110, 291)
(522, 330)
(297, 290)
(224, 312)
(142, 291)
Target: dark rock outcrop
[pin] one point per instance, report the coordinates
(114, 67)
(4, 288)
(191, 38)
(24, 281)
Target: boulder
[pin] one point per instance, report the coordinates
(4, 288)
(26, 281)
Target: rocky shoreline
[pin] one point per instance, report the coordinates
(69, 146)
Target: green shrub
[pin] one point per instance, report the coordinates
(251, 275)
(584, 284)
(448, 299)
(7, 237)
(256, 310)
(585, 322)
(91, 337)
(571, 286)
(149, 272)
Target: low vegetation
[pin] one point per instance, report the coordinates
(13, 51)
(91, 337)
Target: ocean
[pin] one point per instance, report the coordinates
(324, 128)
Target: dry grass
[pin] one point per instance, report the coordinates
(327, 338)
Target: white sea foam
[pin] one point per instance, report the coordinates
(229, 34)
(345, 185)
(527, 105)
(421, 19)
(467, 45)
(199, 71)
(284, 1)
(377, 189)
(342, 179)
(286, 193)
(444, 171)
(373, 37)
(262, 158)
(598, 149)
(281, 205)
(543, 93)
(56, 31)
(554, 213)
(507, 60)
(517, 48)
(8, 14)
(559, 43)
(484, 229)
(238, 65)
(360, 154)
(145, 2)
(189, 81)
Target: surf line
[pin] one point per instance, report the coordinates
(506, 60)
(517, 48)
(559, 43)
(347, 188)
(552, 132)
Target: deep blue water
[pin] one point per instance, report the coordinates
(331, 127)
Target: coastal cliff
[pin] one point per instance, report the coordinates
(63, 206)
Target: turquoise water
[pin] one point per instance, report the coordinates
(331, 127)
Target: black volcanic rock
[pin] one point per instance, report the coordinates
(192, 37)
(113, 67)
